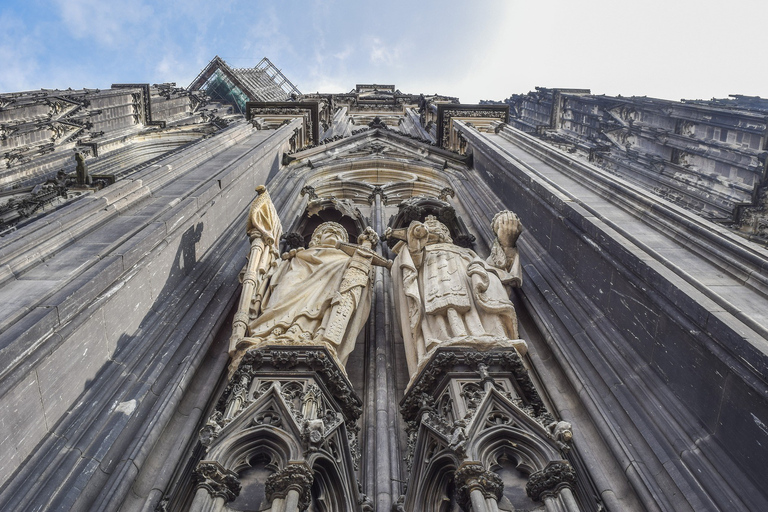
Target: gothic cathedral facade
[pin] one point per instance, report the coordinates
(240, 297)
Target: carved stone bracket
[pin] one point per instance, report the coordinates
(296, 477)
(378, 189)
(217, 480)
(470, 477)
(549, 481)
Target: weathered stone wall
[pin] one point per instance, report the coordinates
(110, 306)
(654, 319)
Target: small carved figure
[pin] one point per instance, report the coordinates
(458, 438)
(445, 294)
(562, 434)
(83, 177)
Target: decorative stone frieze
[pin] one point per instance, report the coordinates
(276, 112)
(481, 115)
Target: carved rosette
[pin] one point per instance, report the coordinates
(296, 477)
(470, 477)
(217, 480)
(549, 481)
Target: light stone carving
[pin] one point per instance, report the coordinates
(446, 295)
(316, 296)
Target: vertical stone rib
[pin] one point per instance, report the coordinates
(384, 392)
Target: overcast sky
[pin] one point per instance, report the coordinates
(473, 49)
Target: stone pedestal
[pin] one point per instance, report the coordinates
(283, 433)
(475, 419)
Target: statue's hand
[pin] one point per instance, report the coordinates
(507, 228)
(369, 235)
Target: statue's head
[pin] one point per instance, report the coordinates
(438, 232)
(327, 234)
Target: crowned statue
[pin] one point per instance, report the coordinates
(447, 295)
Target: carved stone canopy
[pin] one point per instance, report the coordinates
(419, 207)
(331, 209)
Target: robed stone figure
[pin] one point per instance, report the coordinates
(447, 295)
(315, 296)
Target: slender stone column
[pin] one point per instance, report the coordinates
(204, 502)
(292, 501)
(386, 470)
(478, 500)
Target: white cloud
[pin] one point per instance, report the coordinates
(18, 54)
(487, 49)
(380, 52)
(105, 22)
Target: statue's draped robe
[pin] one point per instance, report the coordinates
(451, 277)
(299, 298)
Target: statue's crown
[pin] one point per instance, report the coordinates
(438, 232)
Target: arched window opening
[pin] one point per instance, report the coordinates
(252, 497)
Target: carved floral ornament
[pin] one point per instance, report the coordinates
(548, 482)
(298, 477)
(471, 477)
(217, 480)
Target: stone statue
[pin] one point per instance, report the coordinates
(83, 177)
(316, 296)
(445, 294)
